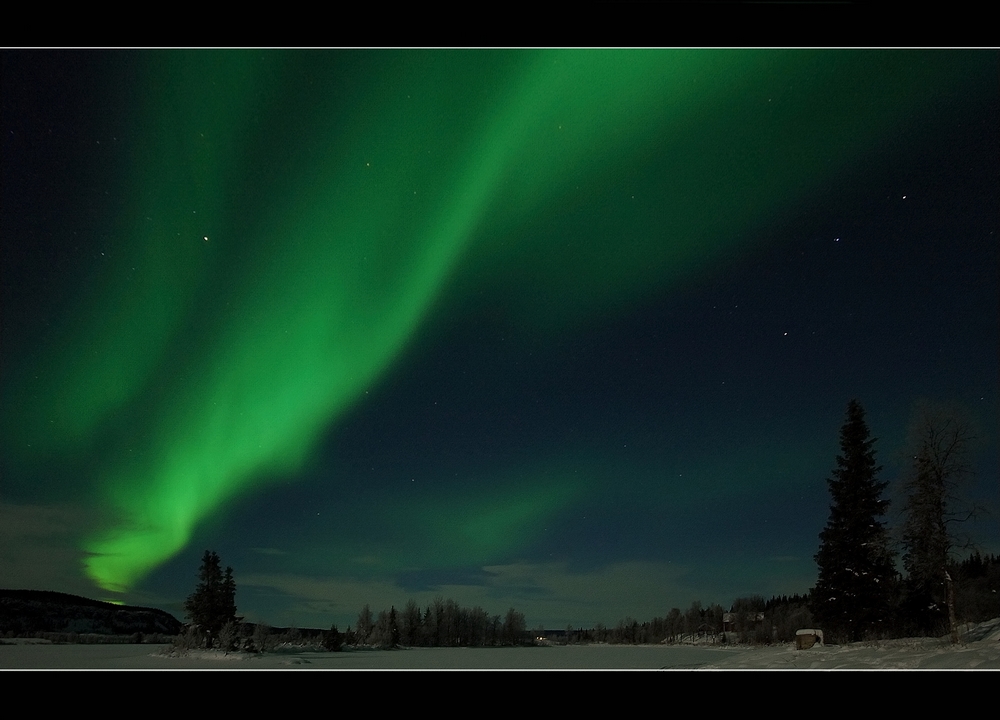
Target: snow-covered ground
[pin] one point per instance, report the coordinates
(980, 650)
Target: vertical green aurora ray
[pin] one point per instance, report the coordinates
(150, 267)
(337, 219)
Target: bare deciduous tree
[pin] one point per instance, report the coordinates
(939, 442)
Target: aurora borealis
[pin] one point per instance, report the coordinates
(569, 330)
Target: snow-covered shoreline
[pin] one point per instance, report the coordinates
(980, 651)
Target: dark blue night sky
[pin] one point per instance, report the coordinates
(569, 331)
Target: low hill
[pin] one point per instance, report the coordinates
(26, 612)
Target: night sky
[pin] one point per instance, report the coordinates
(569, 331)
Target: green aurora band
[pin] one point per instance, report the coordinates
(293, 217)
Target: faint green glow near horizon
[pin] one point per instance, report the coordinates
(339, 211)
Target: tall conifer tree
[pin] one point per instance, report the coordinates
(213, 603)
(853, 596)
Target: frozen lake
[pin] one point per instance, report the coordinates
(602, 657)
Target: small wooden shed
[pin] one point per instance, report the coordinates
(806, 638)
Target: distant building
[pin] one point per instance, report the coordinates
(729, 621)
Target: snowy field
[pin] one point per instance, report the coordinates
(980, 651)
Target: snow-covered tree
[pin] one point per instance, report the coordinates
(853, 595)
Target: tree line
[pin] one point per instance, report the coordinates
(749, 620)
(859, 594)
(211, 609)
(444, 623)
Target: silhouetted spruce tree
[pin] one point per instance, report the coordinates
(227, 599)
(411, 633)
(333, 639)
(393, 627)
(853, 596)
(213, 603)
